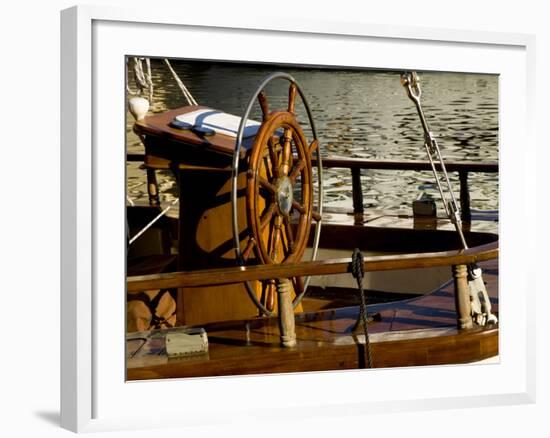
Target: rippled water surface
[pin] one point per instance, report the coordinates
(358, 113)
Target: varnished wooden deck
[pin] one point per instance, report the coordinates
(415, 332)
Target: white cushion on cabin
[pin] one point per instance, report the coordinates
(220, 122)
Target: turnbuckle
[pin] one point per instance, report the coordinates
(411, 82)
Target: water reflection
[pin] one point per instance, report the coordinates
(363, 114)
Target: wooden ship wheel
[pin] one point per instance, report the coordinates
(280, 194)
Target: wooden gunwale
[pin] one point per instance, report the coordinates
(210, 277)
(414, 332)
(451, 347)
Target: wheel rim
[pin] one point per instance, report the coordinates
(273, 183)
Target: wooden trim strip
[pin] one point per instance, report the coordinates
(359, 163)
(451, 166)
(211, 277)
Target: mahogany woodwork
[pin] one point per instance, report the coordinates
(360, 163)
(415, 332)
(206, 240)
(264, 176)
(451, 348)
(158, 126)
(202, 165)
(451, 166)
(323, 267)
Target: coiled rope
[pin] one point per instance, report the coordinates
(358, 272)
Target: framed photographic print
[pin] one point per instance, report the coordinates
(309, 208)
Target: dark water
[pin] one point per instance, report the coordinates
(359, 113)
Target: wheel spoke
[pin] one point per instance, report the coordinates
(287, 152)
(262, 98)
(266, 217)
(276, 238)
(296, 205)
(313, 146)
(268, 170)
(267, 185)
(298, 167)
(292, 98)
(270, 295)
(273, 157)
(249, 247)
(289, 234)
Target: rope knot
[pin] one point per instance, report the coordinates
(357, 268)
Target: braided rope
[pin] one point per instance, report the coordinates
(190, 99)
(142, 79)
(358, 272)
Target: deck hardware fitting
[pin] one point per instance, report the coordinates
(481, 306)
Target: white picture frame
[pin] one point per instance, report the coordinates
(93, 41)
